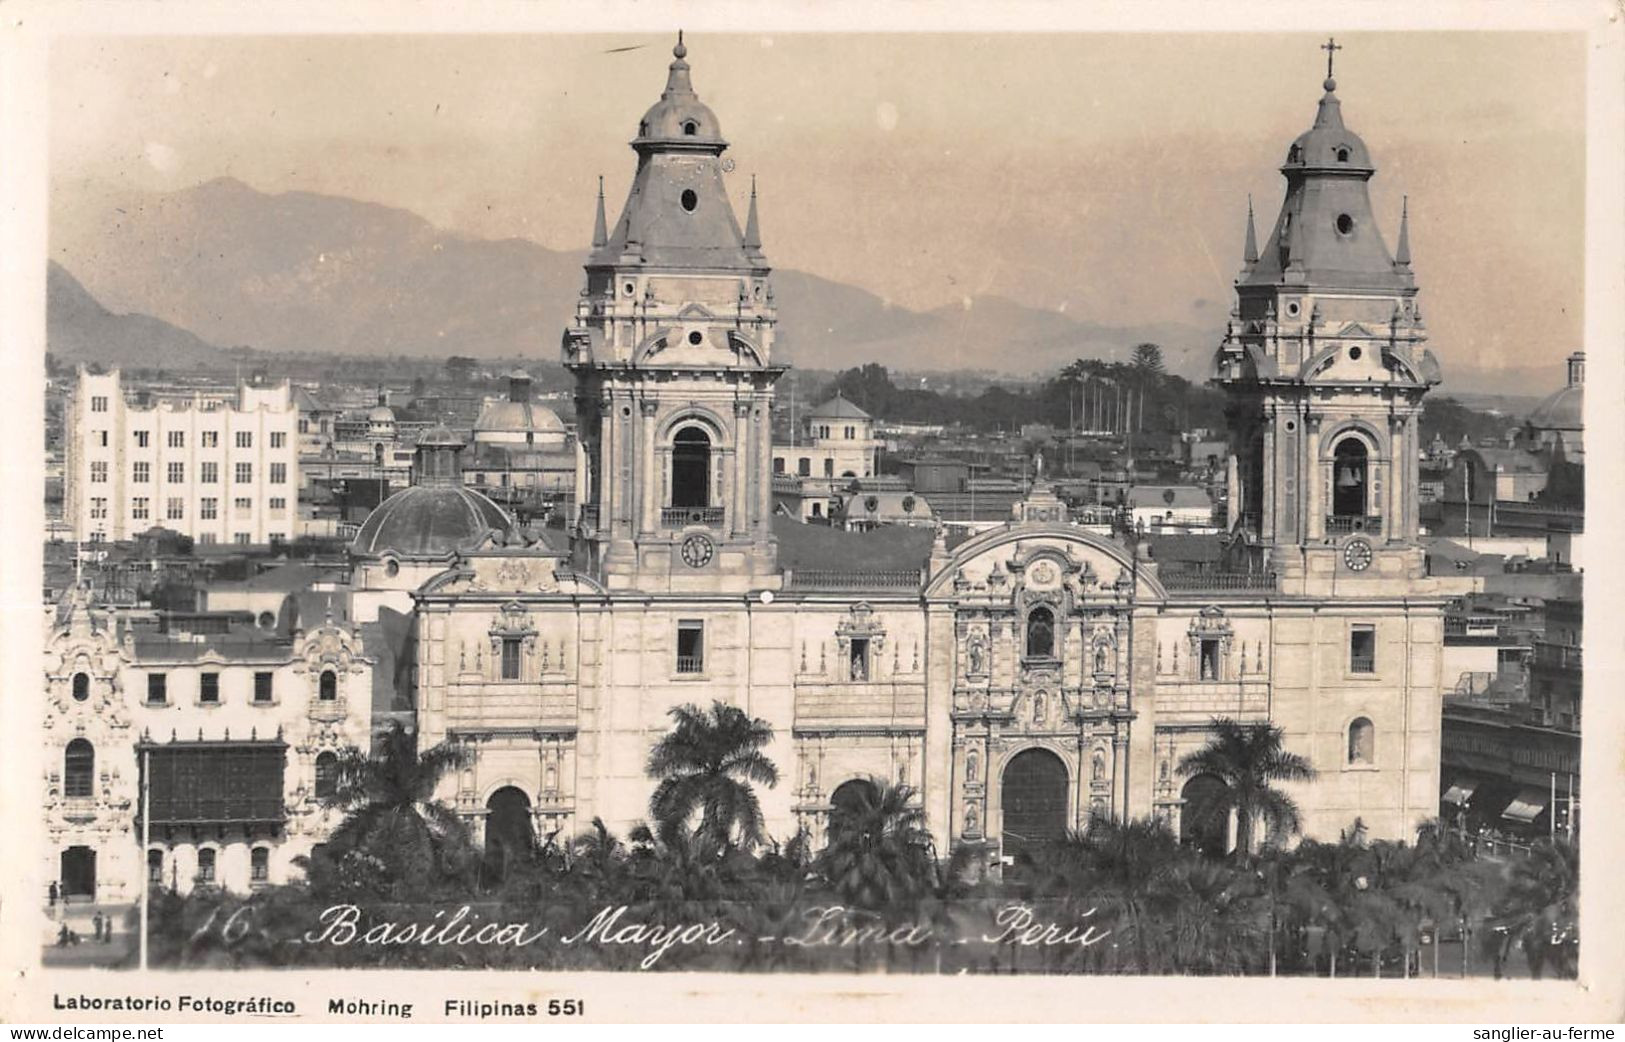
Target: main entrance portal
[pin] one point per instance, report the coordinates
(79, 872)
(1033, 800)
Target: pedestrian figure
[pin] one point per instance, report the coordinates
(107, 930)
(96, 922)
(51, 895)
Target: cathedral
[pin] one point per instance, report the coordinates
(1020, 679)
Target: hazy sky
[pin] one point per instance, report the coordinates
(1103, 174)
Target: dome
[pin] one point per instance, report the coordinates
(381, 414)
(1328, 145)
(440, 437)
(1562, 411)
(429, 521)
(679, 117)
(518, 417)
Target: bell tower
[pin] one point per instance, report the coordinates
(1325, 364)
(671, 349)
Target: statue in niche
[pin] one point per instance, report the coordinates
(1100, 658)
(1038, 709)
(977, 653)
(1097, 767)
(552, 782)
(972, 822)
(970, 766)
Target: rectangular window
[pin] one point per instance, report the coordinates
(206, 538)
(304, 425)
(177, 439)
(98, 508)
(511, 651)
(208, 473)
(259, 865)
(1210, 659)
(177, 473)
(138, 508)
(241, 539)
(244, 473)
(245, 439)
(804, 467)
(778, 465)
(205, 866)
(1363, 649)
(211, 439)
(690, 646)
(209, 688)
(141, 474)
(278, 504)
(243, 504)
(155, 868)
(98, 473)
(262, 687)
(98, 403)
(157, 689)
(278, 439)
(141, 439)
(279, 473)
(208, 508)
(176, 510)
(860, 658)
(101, 437)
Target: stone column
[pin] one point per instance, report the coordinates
(1312, 492)
(744, 463)
(1271, 466)
(1394, 523)
(650, 500)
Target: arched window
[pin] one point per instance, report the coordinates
(1349, 466)
(205, 866)
(259, 865)
(1362, 742)
(329, 685)
(804, 467)
(81, 686)
(378, 455)
(79, 770)
(327, 770)
(691, 468)
(1040, 633)
(829, 468)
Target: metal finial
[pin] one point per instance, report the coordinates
(679, 52)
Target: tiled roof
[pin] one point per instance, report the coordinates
(817, 547)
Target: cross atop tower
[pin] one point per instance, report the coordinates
(1331, 47)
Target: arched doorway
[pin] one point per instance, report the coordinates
(1349, 476)
(1033, 799)
(508, 834)
(853, 796)
(691, 468)
(1203, 822)
(78, 871)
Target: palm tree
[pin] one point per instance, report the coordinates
(1540, 908)
(879, 854)
(1114, 865)
(706, 763)
(1248, 758)
(390, 810)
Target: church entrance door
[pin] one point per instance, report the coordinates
(79, 872)
(1203, 822)
(508, 834)
(1033, 800)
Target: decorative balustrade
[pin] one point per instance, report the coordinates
(680, 517)
(1176, 579)
(1343, 524)
(838, 579)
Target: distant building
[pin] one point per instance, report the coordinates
(220, 467)
(1170, 506)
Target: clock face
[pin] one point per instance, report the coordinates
(697, 551)
(1357, 555)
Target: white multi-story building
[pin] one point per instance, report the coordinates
(220, 468)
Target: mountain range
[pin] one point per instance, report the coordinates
(221, 263)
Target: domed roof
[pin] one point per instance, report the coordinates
(518, 416)
(381, 414)
(1563, 411)
(1328, 145)
(440, 437)
(429, 521)
(679, 117)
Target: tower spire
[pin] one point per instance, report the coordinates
(753, 233)
(600, 229)
(1250, 251)
(1402, 253)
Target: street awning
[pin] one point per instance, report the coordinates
(1527, 807)
(1460, 791)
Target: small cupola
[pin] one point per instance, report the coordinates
(679, 121)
